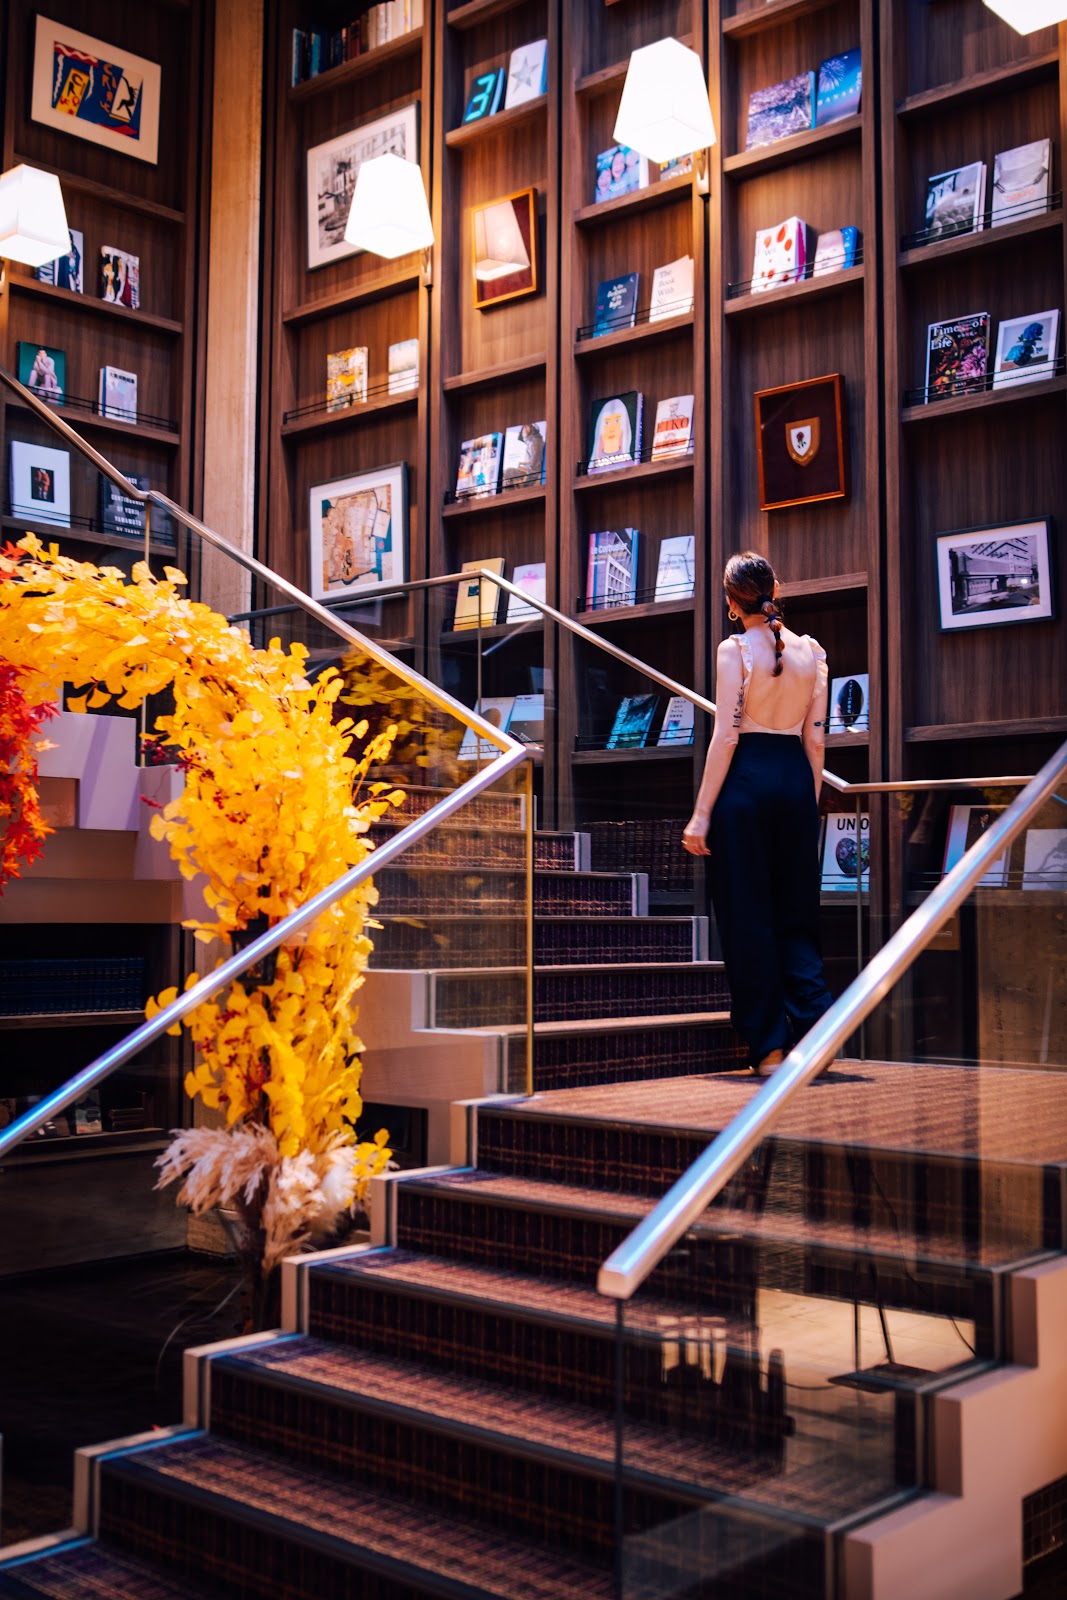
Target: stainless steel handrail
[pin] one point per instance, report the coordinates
(127, 1048)
(629, 1265)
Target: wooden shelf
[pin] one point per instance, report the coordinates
(842, 587)
(378, 287)
(502, 122)
(88, 302)
(508, 371)
(73, 1019)
(92, 420)
(475, 12)
(758, 19)
(821, 288)
(988, 400)
(495, 630)
(613, 758)
(812, 142)
(94, 536)
(383, 55)
(1008, 233)
(477, 505)
(977, 85)
(845, 741)
(1014, 728)
(613, 76)
(323, 421)
(650, 611)
(83, 1146)
(613, 476)
(73, 184)
(656, 194)
(664, 328)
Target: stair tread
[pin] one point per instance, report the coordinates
(386, 1527)
(583, 1025)
(91, 1570)
(579, 967)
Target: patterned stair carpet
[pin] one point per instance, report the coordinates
(92, 1571)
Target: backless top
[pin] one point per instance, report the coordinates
(743, 723)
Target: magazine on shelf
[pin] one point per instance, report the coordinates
(479, 466)
(846, 857)
(524, 455)
(1021, 181)
(346, 377)
(487, 91)
(835, 251)
(117, 512)
(66, 271)
(530, 578)
(678, 722)
(477, 599)
(966, 825)
(611, 571)
(676, 167)
(615, 432)
(672, 290)
(838, 88)
(117, 394)
(42, 369)
(528, 719)
(498, 712)
(1045, 859)
(673, 433)
(616, 304)
(955, 201)
(1027, 348)
(40, 483)
(780, 110)
(781, 254)
(676, 573)
(849, 704)
(957, 355)
(403, 366)
(120, 277)
(619, 171)
(633, 719)
(527, 73)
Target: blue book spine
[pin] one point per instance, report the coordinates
(850, 239)
(616, 304)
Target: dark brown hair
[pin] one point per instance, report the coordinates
(749, 582)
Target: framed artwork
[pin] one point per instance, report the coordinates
(359, 532)
(800, 443)
(990, 576)
(504, 249)
(332, 169)
(95, 91)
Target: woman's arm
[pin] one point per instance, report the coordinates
(730, 700)
(815, 722)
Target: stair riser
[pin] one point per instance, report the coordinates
(451, 845)
(445, 942)
(471, 1002)
(622, 1055)
(556, 894)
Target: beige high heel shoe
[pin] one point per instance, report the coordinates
(770, 1061)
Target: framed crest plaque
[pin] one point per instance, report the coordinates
(800, 443)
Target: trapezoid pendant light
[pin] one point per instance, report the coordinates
(389, 215)
(33, 219)
(1026, 16)
(664, 111)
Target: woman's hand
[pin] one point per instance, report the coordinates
(694, 836)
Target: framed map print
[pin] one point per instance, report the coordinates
(95, 91)
(332, 169)
(359, 532)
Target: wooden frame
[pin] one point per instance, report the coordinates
(396, 133)
(383, 559)
(991, 588)
(122, 115)
(492, 226)
(801, 457)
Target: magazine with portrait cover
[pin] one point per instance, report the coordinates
(615, 431)
(40, 483)
(66, 272)
(619, 171)
(43, 369)
(524, 455)
(120, 277)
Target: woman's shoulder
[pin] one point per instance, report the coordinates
(812, 644)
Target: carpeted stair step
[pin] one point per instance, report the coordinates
(90, 1570)
(617, 1050)
(412, 890)
(458, 941)
(483, 996)
(501, 807)
(459, 842)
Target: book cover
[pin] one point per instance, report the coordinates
(120, 277)
(672, 290)
(611, 570)
(117, 394)
(846, 857)
(619, 171)
(633, 719)
(1045, 859)
(403, 366)
(524, 455)
(87, 1113)
(487, 91)
(966, 825)
(673, 433)
(495, 709)
(955, 201)
(838, 88)
(531, 579)
(346, 377)
(44, 370)
(477, 599)
(1021, 181)
(781, 254)
(615, 431)
(527, 73)
(616, 304)
(119, 514)
(849, 704)
(676, 572)
(66, 271)
(957, 355)
(1027, 348)
(479, 466)
(40, 483)
(779, 110)
(678, 721)
(835, 251)
(528, 719)
(676, 167)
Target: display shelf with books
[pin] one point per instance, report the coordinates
(503, 122)
(504, 372)
(644, 330)
(379, 58)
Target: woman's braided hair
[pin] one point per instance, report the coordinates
(749, 582)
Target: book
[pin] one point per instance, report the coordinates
(403, 366)
(117, 512)
(838, 88)
(619, 171)
(117, 394)
(966, 825)
(487, 91)
(835, 250)
(496, 710)
(615, 432)
(781, 254)
(346, 377)
(780, 110)
(633, 719)
(676, 167)
(1027, 348)
(849, 708)
(40, 483)
(678, 721)
(476, 599)
(1045, 859)
(611, 570)
(120, 277)
(66, 271)
(673, 432)
(479, 466)
(528, 719)
(957, 355)
(87, 1113)
(676, 572)
(846, 856)
(527, 73)
(955, 201)
(1021, 181)
(524, 455)
(43, 369)
(672, 290)
(616, 304)
(531, 578)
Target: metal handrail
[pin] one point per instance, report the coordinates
(630, 1264)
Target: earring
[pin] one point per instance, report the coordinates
(734, 616)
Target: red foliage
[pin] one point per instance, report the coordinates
(22, 828)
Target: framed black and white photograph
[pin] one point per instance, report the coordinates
(40, 483)
(332, 169)
(995, 575)
(800, 443)
(95, 91)
(359, 532)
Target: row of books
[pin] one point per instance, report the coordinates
(783, 253)
(514, 459)
(809, 100)
(956, 200)
(40, 491)
(524, 78)
(55, 985)
(521, 715)
(616, 298)
(82, 1118)
(957, 352)
(43, 369)
(316, 50)
(346, 373)
(620, 170)
(119, 281)
(616, 431)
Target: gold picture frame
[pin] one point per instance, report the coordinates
(800, 443)
(504, 249)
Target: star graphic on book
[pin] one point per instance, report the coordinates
(523, 74)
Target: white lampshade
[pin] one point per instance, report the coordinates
(389, 214)
(1026, 16)
(664, 111)
(33, 221)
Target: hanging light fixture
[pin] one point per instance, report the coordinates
(664, 111)
(389, 214)
(1026, 16)
(33, 220)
